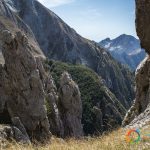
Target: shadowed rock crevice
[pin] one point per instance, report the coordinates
(5, 117)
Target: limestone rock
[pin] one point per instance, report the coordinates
(24, 87)
(20, 131)
(19, 136)
(142, 23)
(139, 113)
(5, 132)
(56, 125)
(70, 106)
(8, 133)
(54, 117)
(9, 20)
(60, 42)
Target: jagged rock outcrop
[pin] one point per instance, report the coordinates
(65, 109)
(19, 127)
(25, 79)
(95, 94)
(139, 114)
(10, 133)
(23, 87)
(60, 42)
(70, 106)
(56, 125)
(10, 21)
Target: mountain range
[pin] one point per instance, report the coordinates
(32, 31)
(55, 82)
(53, 37)
(125, 49)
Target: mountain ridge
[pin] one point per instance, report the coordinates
(60, 42)
(125, 49)
(30, 30)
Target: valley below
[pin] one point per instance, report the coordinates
(59, 90)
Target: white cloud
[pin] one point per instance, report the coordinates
(54, 3)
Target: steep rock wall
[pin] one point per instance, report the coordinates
(139, 113)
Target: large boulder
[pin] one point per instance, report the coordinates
(139, 113)
(22, 85)
(8, 133)
(70, 106)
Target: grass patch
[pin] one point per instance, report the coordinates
(108, 141)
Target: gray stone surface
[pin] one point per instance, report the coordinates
(56, 125)
(142, 23)
(139, 113)
(70, 106)
(60, 42)
(9, 133)
(18, 124)
(23, 85)
(11, 21)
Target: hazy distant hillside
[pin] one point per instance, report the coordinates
(126, 49)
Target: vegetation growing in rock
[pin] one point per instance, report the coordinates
(92, 90)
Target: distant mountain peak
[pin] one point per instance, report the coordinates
(128, 43)
(107, 39)
(125, 48)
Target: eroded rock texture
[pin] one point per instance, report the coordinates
(56, 125)
(11, 132)
(60, 42)
(70, 106)
(142, 22)
(139, 114)
(22, 85)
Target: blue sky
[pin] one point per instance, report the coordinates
(96, 19)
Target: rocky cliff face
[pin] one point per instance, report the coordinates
(60, 42)
(139, 114)
(64, 106)
(9, 20)
(25, 88)
(21, 86)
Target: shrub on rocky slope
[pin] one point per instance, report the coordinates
(101, 109)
